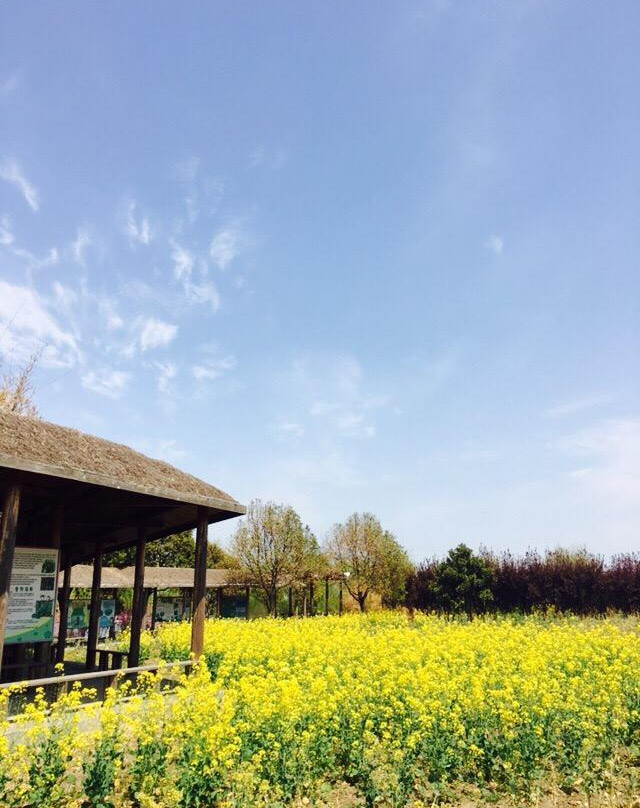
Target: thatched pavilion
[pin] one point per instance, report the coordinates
(79, 496)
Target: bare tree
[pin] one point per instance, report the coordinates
(370, 557)
(16, 389)
(273, 549)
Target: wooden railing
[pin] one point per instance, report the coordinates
(55, 686)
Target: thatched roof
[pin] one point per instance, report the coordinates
(32, 445)
(178, 577)
(154, 577)
(82, 577)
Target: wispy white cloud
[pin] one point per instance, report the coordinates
(32, 261)
(333, 393)
(212, 369)
(186, 172)
(577, 405)
(202, 291)
(183, 261)
(166, 372)
(611, 450)
(353, 425)
(290, 429)
(201, 194)
(65, 299)
(205, 292)
(136, 228)
(10, 172)
(226, 245)
(169, 451)
(108, 383)
(495, 243)
(6, 234)
(80, 245)
(155, 333)
(112, 318)
(27, 323)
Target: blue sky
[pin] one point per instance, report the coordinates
(353, 256)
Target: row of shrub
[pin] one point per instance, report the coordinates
(567, 581)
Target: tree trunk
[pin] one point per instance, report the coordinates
(272, 601)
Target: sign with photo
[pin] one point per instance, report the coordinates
(32, 595)
(168, 610)
(78, 618)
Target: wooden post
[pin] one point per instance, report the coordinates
(304, 602)
(43, 652)
(290, 602)
(326, 596)
(199, 583)
(94, 609)
(8, 531)
(63, 605)
(340, 598)
(154, 603)
(247, 592)
(112, 630)
(311, 603)
(139, 600)
(219, 593)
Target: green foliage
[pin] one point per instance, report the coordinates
(177, 550)
(462, 582)
(371, 558)
(274, 549)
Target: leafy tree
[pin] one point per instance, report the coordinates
(177, 550)
(462, 582)
(273, 549)
(371, 559)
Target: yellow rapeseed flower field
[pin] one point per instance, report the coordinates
(402, 710)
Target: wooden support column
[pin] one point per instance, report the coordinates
(94, 609)
(112, 630)
(63, 606)
(154, 603)
(138, 606)
(8, 531)
(43, 651)
(326, 596)
(199, 583)
(311, 601)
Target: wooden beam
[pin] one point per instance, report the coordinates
(94, 609)
(63, 605)
(199, 584)
(8, 530)
(139, 600)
